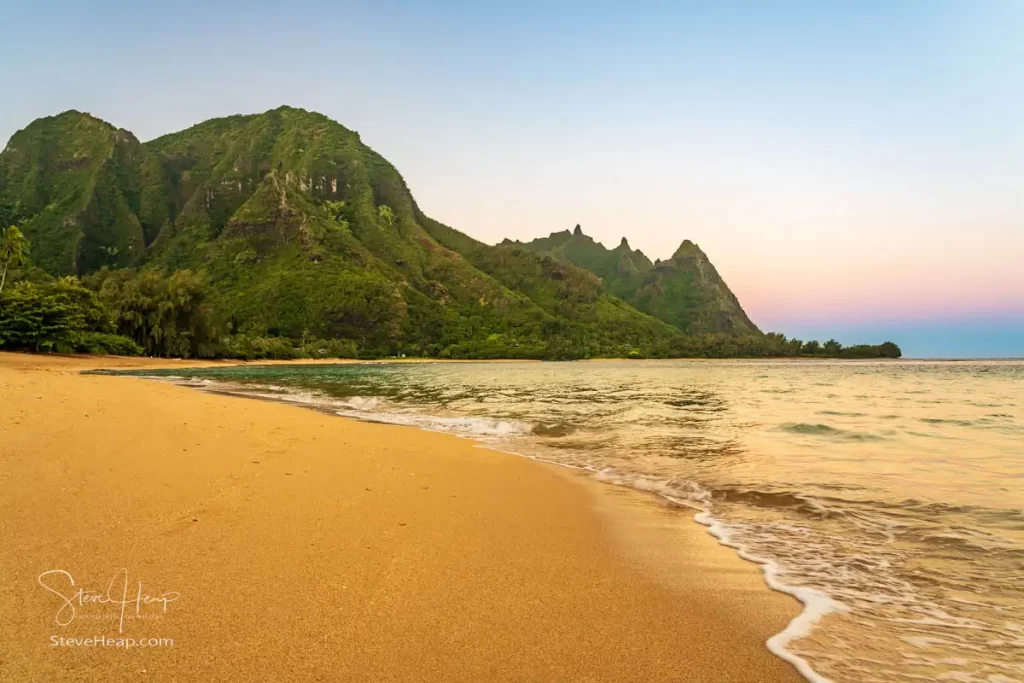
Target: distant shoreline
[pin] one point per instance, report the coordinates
(198, 362)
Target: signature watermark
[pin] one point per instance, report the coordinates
(120, 601)
(107, 641)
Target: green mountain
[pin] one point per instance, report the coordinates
(301, 231)
(685, 291)
(79, 181)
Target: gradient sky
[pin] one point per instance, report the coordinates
(853, 169)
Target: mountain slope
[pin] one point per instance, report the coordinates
(78, 180)
(685, 291)
(301, 231)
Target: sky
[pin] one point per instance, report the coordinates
(853, 169)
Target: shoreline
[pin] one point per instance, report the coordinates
(476, 563)
(103, 362)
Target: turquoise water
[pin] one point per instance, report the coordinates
(887, 496)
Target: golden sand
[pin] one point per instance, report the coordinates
(297, 546)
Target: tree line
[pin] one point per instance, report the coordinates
(170, 313)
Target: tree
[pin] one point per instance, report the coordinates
(164, 314)
(832, 348)
(52, 317)
(811, 348)
(890, 350)
(13, 251)
(9, 213)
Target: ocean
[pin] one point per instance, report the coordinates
(888, 497)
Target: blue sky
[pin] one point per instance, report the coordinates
(853, 169)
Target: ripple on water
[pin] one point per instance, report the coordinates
(828, 431)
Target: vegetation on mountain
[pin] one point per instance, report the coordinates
(282, 235)
(74, 180)
(13, 251)
(685, 291)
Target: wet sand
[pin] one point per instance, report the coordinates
(297, 546)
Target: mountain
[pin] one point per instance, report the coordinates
(685, 291)
(301, 230)
(79, 181)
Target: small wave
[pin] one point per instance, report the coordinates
(826, 430)
(777, 499)
(193, 381)
(940, 421)
(804, 428)
(681, 491)
(926, 435)
(553, 430)
(363, 403)
(840, 413)
(816, 603)
(463, 426)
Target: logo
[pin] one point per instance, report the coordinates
(121, 600)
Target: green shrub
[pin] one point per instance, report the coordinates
(55, 316)
(330, 348)
(110, 344)
(247, 347)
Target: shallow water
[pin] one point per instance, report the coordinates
(887, 496)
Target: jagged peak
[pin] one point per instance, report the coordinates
(687, 249)
(624, 244)
(578, 231)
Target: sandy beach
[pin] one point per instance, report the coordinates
(276, 543)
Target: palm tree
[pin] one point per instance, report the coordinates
(13, 250)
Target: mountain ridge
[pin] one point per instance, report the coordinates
(282, 233)
(301, 230)
(684, 290)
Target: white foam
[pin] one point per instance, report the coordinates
(816, 603)
(366, 403)
(463, 426)
(681, 492)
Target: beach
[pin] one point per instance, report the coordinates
(274, 542)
